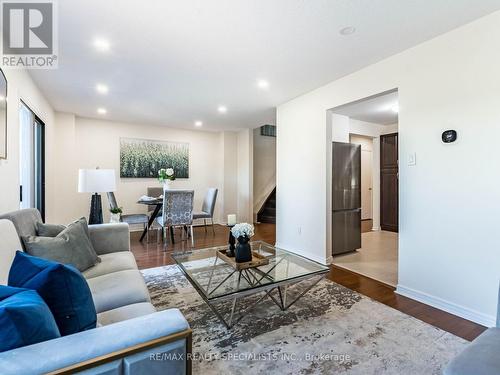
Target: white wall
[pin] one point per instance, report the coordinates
(245, 175)
(229, 194)
(448, 253)
(264, 168)
(21, 87)
(341, 126)
(370, 129)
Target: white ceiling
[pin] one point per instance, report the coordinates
(378, 109)
(174, 62)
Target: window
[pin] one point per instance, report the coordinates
(32, 160)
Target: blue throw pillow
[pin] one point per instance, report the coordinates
(62, 287)
(25, 318)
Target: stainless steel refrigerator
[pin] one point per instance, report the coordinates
(346, 197)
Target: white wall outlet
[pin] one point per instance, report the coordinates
(412, 158)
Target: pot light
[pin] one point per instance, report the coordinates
(101, 89)
(101, 44)
(222, 109)
(347, 30)
(198, 124)
(102, 111)
(262, 84)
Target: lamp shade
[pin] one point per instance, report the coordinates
(96, 180)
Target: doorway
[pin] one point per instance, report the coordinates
(372, 124)
(31, 160)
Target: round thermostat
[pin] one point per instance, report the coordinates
(449, 136)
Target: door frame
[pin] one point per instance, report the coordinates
(37, 119)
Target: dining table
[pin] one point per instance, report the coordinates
(158, 203)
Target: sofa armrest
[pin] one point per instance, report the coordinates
(479, 357)
(110, 238)
(96, 347)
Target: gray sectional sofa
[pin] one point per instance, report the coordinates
(131, 337)
(482, 356)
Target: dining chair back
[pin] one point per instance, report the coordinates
(177, 211)
(207, 209)
(209, 201)
(178, 207)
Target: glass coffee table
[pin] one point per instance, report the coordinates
(284, 279)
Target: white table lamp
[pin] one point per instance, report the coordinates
(96, 181)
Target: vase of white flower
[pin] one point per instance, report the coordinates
(166, 176)
(243, 232)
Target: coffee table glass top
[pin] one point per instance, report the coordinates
(214, 278)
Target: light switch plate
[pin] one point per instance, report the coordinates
(412, 159)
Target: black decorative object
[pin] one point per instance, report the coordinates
(243, 250)
(449, 136)
(95, 216)
(232, 241)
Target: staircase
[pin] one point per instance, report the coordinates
(267, 213)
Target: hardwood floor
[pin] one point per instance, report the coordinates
(385, 294)
(151, 254)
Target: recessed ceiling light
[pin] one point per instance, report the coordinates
(101, 44)
(262, 84)
(347, 30)
(198, 124)
(222, 109)
(101, 89)
(102, 111)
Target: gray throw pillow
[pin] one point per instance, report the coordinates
(49, 230)
(71, 246)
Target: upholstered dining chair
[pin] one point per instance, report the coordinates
(130, 219)
(207, 209)
(177, 211)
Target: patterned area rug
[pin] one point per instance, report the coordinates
(330, 330)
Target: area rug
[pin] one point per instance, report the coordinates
(330, 330)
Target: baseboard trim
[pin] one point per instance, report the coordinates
(325, 261)
(450, 307)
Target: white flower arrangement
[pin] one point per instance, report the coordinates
(166, 174)
(242, 230)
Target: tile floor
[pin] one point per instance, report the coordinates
(377, 258)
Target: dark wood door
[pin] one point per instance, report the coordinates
(389, 182)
